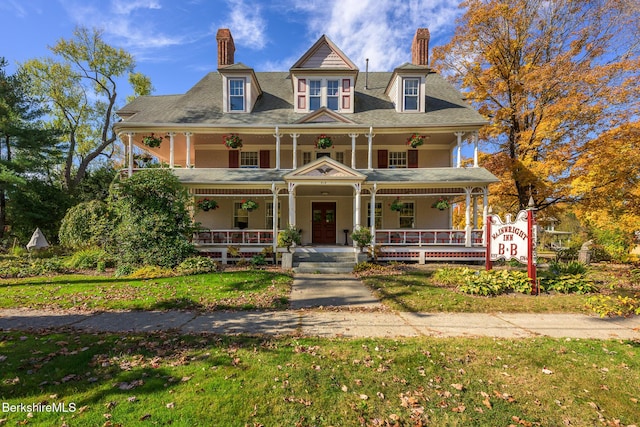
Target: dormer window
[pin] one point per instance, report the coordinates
(236, 95)
(315, 94)
(411, 90)
(332, 93)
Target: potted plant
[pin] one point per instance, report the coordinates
(397, 205)
(441, 204)
(415, 140)
(207, 204)
(232, 140)
(152, 140)
(323, 142)
(249, 205)
(286, 238)
(363, 237)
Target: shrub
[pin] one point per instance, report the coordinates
(449, 276)
(123, 270)
(196, 265)
(362, 236)
(605, 305)
(28, 267)
(288, 237)
(569, 283)
(258, 260)
(572, 267)
(87, 259)
(85, 225)
(495, 282)
(151, 272)
(615, 242)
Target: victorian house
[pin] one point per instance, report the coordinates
(324, 147)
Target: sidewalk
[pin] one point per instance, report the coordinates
(335, 323)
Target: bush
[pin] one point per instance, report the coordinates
(569, 284)
(606, 305)
(196, 265)
(123, 270)
(29, 267)
(449, 276)
(88, 259)
(150, 272)
(85, 225)
(573, 267)
(616, 243)
(258, 260)
(495, 282)
(288, 237)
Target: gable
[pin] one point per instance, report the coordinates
(324, 115)
(324, 54)
(324, 168)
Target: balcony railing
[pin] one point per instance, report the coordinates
(233, 237)
(413, 237)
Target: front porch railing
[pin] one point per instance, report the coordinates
(233, 237)
(413, 237)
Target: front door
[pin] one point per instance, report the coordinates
(324, 223)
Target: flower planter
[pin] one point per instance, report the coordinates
(152, 141)
(232, 141)
(415, 140)
(323, 142)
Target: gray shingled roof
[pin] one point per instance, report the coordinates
(202, 104)
(433, 176)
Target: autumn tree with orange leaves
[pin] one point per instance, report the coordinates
(551, 76)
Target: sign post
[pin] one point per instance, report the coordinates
(514, 240)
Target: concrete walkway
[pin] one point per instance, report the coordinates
(331, 290)
(326, 323)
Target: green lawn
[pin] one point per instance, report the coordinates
(166, 379)
(249, 289)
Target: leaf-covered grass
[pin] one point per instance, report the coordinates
(417, 290)
(249, 289)
(167, 379)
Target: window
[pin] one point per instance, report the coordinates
(332, 94)
(269, 215)
(248, 159)
(340, 157)
(306, 157)
(236, 94)
(377, 215)
(407, 215)
(315, 94)
(411, 90)
(240, 216)
(397, 159)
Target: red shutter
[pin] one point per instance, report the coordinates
(346, 85)
(383, 159)
(264, 159)
(234, 159)
(302, 92)
(412, 158)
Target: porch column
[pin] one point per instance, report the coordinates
(370, 136)
(292, 204)
(274, 227)
(372, 212)
(353, 149)
(467, 217)
(475, 149)
(277, 135)
(356, 210)
(295, 149)
(130, 152)
(188, 161)
(475, 211)
(172, 153)
(485, 213)
(459, 158)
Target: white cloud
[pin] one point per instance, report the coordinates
(125, 7)
(246, 24)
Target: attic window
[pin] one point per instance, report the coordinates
(411, 88)
(236, 94)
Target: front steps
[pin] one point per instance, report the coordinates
(333, 260)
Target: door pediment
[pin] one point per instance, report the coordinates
(325, 169)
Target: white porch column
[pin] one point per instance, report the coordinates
(474, 203)
(357, 208)
(292, 204)
(485, 213)
(459, 154)
(353, 149)
(172, 153)
(370, 136)
(295, 136)
(372, 212)
(130, 152)
(277, 135)
(188, 161)
(467, 217)
(274, 191)
(475, 149)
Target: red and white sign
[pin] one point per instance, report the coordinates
(509, 240)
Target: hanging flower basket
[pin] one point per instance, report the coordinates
(441, 204)
(207, 204)
(415, 140)
(397, 205)
(152, 140)
(232, 141)
(249, 205)
(323, 142)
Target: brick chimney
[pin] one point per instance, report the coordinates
(226, 48)
(420, 47)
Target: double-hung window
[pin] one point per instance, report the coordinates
(315, 94)
(407, 215)
(248, 159)
(236, 95)
(397, 159)
(333, 91)
(411, 89)
(377, 214)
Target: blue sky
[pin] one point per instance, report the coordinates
(173, 41)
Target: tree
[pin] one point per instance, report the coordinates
(80, 88)
(27, 150)
(152, 223)
(550, 75)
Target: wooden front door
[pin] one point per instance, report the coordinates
(324, 223)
